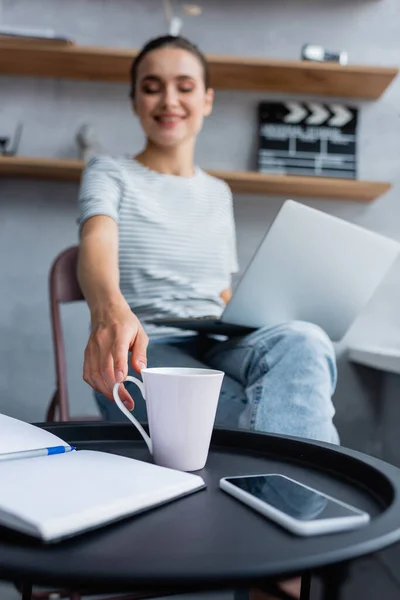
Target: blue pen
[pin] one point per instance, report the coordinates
(36, 453)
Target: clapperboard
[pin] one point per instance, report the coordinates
(308, 138)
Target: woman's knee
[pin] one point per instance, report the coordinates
(308, 335)
(314, 344)
(303, 342)
(293, 332)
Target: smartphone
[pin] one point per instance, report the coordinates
(293, 505)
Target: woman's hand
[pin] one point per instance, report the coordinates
(115, 332)
(226, 295)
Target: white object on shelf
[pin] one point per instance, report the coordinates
(88, 142)
(174, 22)
(319, 54)
(28, 32)
(378, 357)
(175, 26)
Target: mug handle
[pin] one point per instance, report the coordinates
(128, 414)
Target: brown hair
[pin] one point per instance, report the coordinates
(168, 41)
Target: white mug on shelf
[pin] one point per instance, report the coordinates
(181, 407)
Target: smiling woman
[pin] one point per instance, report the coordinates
(157, 232)
(157, 239)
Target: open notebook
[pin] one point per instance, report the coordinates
(52, 491)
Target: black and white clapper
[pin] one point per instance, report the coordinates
(308, 138)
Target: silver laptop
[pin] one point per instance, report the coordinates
(310, 266)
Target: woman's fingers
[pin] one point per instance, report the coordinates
(119, 352)
(106, 357)
(119, 355)
(139, 350)
(126, 398)
(104, 341)
(91, 369)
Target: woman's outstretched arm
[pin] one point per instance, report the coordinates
(115, 329)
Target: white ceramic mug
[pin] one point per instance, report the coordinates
(181, 407)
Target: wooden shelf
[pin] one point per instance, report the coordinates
(41, 168)
(310, 187)
(227, 72)
(240, 182)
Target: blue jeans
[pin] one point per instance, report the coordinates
(278, 380)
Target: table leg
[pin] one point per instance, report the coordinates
(26, 591)
(332, 579)
(305, 592)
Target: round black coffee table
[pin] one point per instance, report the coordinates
(209, 540)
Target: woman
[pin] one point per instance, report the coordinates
(157, 239)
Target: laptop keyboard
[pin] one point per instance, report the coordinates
(177, 319)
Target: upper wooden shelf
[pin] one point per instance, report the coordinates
(241, 182)
(227, 72)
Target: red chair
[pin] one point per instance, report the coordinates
(64, 287)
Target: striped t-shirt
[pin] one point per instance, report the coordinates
(177, 243)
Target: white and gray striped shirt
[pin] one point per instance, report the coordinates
(177, 243)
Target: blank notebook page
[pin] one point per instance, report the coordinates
(66, 493)
(18, 436)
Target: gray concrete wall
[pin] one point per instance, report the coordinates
(37, 219)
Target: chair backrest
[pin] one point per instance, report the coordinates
(64, 287)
